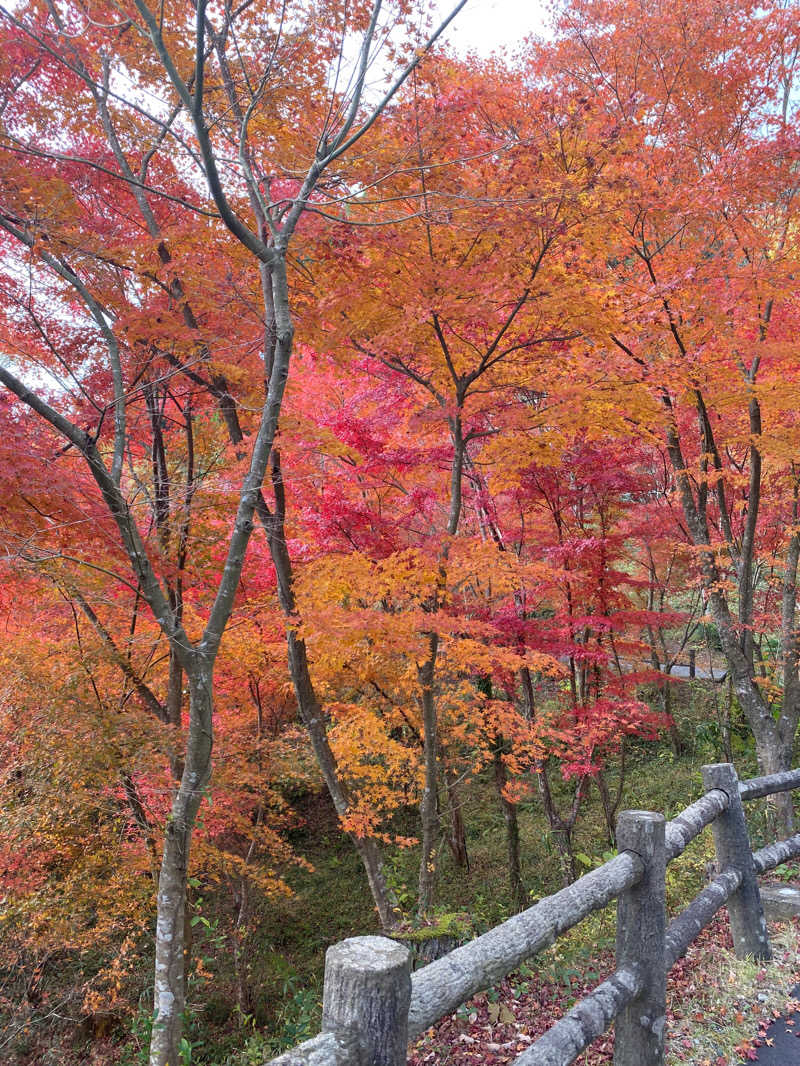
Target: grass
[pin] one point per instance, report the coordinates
(724, 1003)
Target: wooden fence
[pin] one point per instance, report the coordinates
(373, 1005)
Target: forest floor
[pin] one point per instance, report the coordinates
(777, 1045)
(718, 1007)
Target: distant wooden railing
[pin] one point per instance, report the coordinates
(373, 1005)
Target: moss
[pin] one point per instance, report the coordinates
(457, 925)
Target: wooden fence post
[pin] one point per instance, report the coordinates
(641, 926)
(366, 993)
(732, 843)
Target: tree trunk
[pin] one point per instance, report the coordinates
(611, 804)
(169, 995)
(774, 740)
(519, 895)
(561, 828)
(173, 708)
(429, 814)
(773, 750)
(780, 806)
(790, 711)
(307, 703)
(672, 725)
(457, 836)
(528, 698)
(311, 714)
(728, 722)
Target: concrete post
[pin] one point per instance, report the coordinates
(641, 924)
(366, 993)
(732, 844)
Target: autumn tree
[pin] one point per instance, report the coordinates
(61, 172)
(458, 271)
(698, 265)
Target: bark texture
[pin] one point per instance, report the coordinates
(169, 988)
(367, 993)
(516, 885)
(641, 918)
(732, 845)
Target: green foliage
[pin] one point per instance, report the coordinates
(690, 872)
(711, 635)
(788, 872)
(298, 1018)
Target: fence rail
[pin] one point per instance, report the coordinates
(373, 1005)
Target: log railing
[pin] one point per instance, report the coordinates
(373, 1005)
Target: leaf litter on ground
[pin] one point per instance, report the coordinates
(718, 1006)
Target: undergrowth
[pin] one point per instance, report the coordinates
(331, 902)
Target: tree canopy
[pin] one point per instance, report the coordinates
(373, 432)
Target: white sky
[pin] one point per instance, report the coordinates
(487, 25)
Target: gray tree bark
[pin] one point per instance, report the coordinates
(429, 808)
(169, 992)
(774, 739)
(516, 885)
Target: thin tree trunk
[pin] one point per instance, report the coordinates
(672, 725)
(519, 895)
(429, 814)
(173, 707)
(457, 836)
(311, 714)
(169, 992)
(773, 746)
(307, 703)
(728, 725)
(561, 828)
(774, 740)
(611, 804)
(790, 712)
(143, 822)
(528, 700)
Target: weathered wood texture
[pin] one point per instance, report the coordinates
(367, 992)
(641, 920)
(685, 926)
(774, 854)
(587, 1020)
(693, 820)
(442, 986)
(768, 786)
(732, 843)
(323, 1050)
